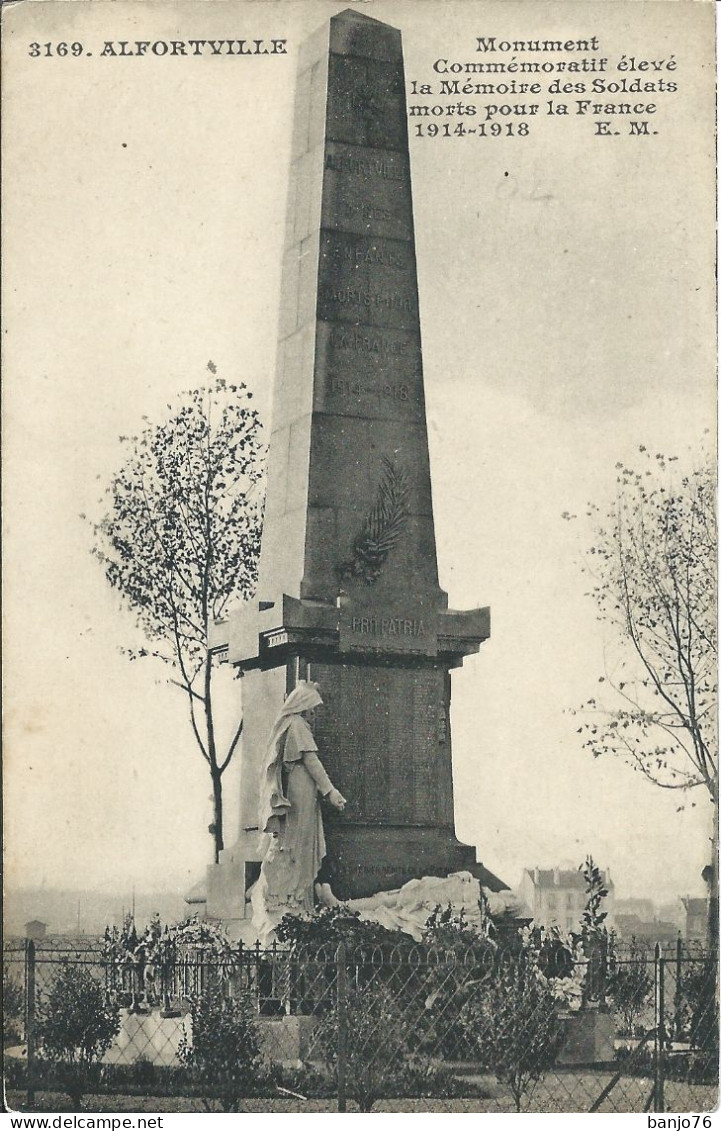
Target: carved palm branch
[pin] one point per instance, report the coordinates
(383, 526)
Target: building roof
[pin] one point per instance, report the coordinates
(629, 924)
(35, 929)
(696, 906)
(561, 878)
(636, 905)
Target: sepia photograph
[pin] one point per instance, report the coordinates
(360, 558)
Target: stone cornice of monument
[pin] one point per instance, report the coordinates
(263, 636)
(348, 559)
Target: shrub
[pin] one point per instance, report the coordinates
(13, 1007)
(326, 927)
(75, 1027)
(222, 1052)
(699, 995)
(629, 985)
(513, 1022)
(380, 1061)
(15, 1072)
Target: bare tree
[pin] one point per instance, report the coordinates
(180, 543)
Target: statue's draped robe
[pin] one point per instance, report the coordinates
(293, 857)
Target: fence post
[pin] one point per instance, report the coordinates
(30, 1017)
(603, 971)
(134, 997)
(341, 984)
(659, 1041)
(677, 1020)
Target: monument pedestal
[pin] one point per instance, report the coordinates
(288, 1041)
(224, 896)
(366, 859)
(590, 1034)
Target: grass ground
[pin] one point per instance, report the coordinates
(562, 1092)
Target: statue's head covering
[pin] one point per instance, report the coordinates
(304, 697)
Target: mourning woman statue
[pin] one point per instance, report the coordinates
(292, 782)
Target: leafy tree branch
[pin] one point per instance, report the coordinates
(652, 569)
(179, 541)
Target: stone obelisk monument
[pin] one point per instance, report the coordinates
(348, 590)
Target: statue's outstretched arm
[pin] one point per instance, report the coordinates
(315, 768)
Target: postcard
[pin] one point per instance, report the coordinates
(360, 548)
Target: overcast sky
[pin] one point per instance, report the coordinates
(567, 314)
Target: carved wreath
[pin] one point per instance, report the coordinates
(382, 528)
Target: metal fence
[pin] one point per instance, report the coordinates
(402, 1028)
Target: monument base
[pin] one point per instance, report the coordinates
(287, 1041)
(148, 1036)
(399, 853)
(427, 852)
(222, 897)
(590, 1037)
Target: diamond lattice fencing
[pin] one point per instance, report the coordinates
(14, 998)
(408, 1027)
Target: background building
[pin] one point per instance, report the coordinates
(696, 919)
(557, 896)
(648, 930)
(642, 919)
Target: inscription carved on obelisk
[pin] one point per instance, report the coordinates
(348, 589)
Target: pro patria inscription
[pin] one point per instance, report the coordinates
(388, 626)
(388, 632)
